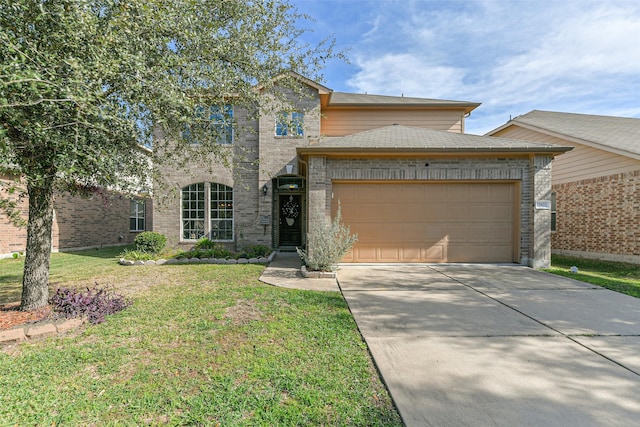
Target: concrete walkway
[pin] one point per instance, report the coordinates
(284, 271)
(486, 345)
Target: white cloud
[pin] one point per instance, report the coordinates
(573, 55)
(396, 74)
(580, 56)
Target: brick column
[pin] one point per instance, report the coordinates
(540, 252)
(318, 186)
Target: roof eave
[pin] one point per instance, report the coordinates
(466, 107)
(433, 150)
(569, 138)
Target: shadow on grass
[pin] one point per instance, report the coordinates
(104, 253)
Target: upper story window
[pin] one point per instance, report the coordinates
(216, 120)
(136, 216)
(290, 124)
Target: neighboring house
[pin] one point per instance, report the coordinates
(411, 184)
(82, 222)
(596, 186)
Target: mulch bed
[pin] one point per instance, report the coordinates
(11, 316)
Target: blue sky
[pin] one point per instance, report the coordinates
(513, 56)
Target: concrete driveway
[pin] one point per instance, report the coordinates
(478, 345)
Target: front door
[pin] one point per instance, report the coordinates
(290, 225)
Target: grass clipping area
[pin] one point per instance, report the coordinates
(616, 276)
(201, 345)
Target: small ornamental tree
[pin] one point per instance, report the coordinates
(328, 244)
(84, 84)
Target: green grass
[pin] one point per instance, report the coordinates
(201, 345)
(617, 276)
(81, 268)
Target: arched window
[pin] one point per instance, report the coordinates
(207, 210)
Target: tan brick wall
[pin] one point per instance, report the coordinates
(258, 157)
(534, 178)
(599, 217)
(12, 239)
(79, 222)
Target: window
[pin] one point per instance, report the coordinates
(553, 212)
(136, 217)
(193, 210)
(290, 124)
(221, 212)
(219, 123)
(207, 203)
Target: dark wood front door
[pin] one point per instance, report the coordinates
(290, 225)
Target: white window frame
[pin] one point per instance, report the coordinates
(221, 212)
(289, 124)
(210, 218)
(220, 118)
(137, 212)
(194, 232)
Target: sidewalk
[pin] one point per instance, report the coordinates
(284, 271)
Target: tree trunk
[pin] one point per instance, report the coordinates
(35, 284)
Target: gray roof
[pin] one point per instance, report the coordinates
(605, 132)
(398, 138)
(343, 99)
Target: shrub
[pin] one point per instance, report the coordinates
(96, 303)
(206, 243)
(255, 251)
(218, 252)
(150, 242)
(136, 255)
(327, 244)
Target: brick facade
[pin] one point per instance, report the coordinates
(258, 156)
(79, 223)
(261, 158)
(533, 176)
(599, 217)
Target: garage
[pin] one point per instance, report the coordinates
(430, 222)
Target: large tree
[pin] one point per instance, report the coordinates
(84, 83)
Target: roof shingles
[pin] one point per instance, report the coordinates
(407, 138)
(619, 133)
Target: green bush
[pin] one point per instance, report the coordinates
(255, 251)
(131, 255)
(327, 244)
(217, 252)
(150, 242)
(206, 243)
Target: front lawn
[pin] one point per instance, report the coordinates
(617, 276)
(202, 345)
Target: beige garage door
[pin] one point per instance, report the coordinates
(420, 222)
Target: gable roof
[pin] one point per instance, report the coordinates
(616, 134)
(400, 139)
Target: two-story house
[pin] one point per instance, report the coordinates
(410, 183)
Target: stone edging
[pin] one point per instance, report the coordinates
(262, 260)
(310, 274)
(38, 330)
